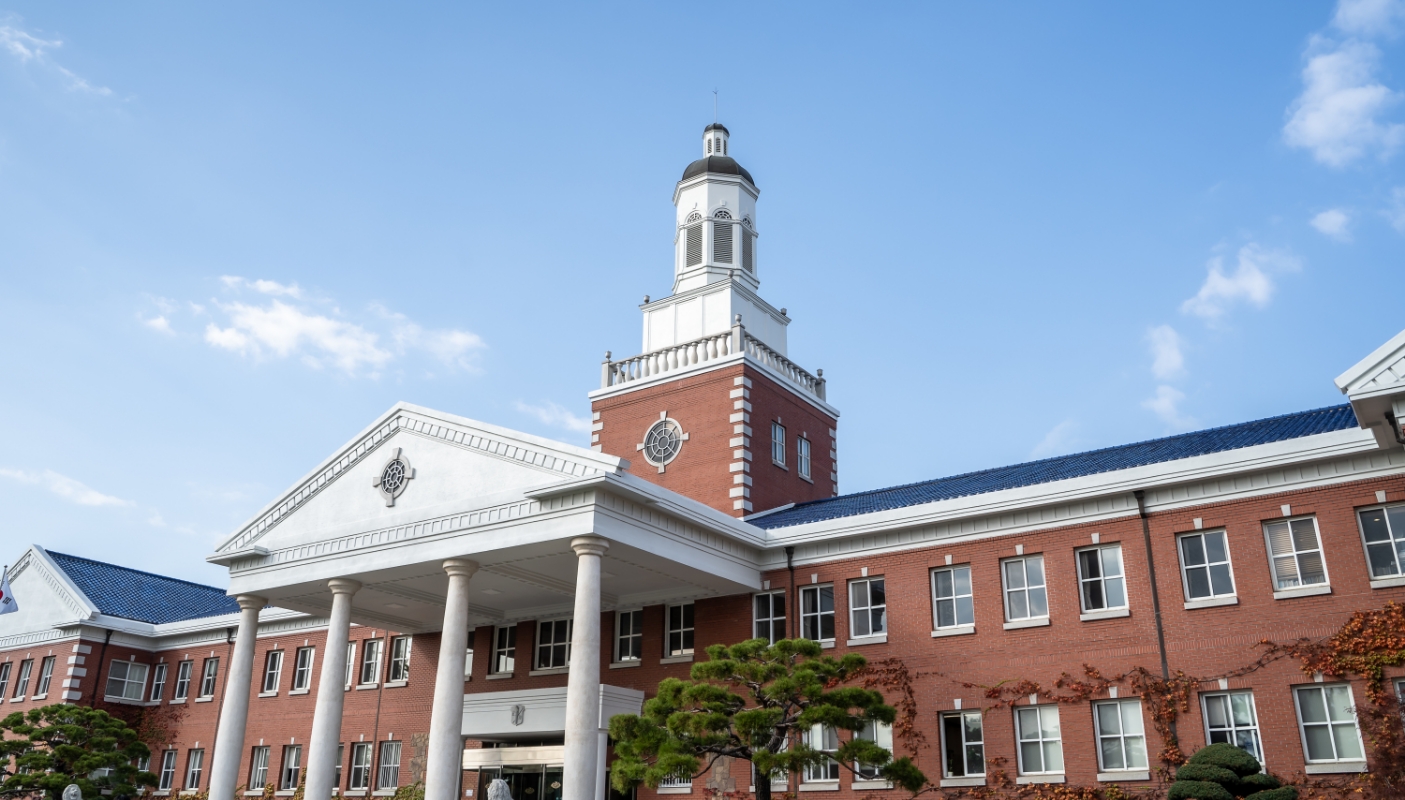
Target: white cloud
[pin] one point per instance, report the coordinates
(1166, 405)
(63, 486)
(1337, 116)
(1369, 17)
(1251, 281)
(558, 416)
(1395, 212)
(1062, 438)
(29, 48)
(1167, 361)
(158, 324)
(284, 330)
(262, 286)
(1334, 223)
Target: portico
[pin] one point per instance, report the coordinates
(428, 522)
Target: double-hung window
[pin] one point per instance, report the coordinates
(1383, 530)
(22, 683)
(778, 444)
(1026, 596)
(388, 771)
(768, 621)
(1205, 569)
(1296, 551)
(868, 608)
(817, 613)
(360, 767)
(880, 734)
(158, 681)
(629, 635)
(963, 744)
(350, 662)
(336, 776)
(504, 650)
(126, 680)
(1327, 719)
(167, 779)
(1102, 586)
(802, 457)
(826, 740)
(1041, 744)
(207, 679)
(5, 677)
(554, 644)
(1230, 717)
(258, 768)
(292, 766)
(399, 660)
(302, 669)
(46, 674)
(370, 662)
(952, 603)
(272, 671)
(194, 768)
(1121, 738)
(680, 630)
(183, 672)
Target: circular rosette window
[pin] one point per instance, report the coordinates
(395, 475)
(662, 442)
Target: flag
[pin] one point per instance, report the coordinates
(7, 597)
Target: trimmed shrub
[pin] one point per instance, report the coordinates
(1228, 756)
(1208, 772)
(1259, 781)
(1281, 793)
(1198, 790)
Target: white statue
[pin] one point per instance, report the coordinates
(72, 792)
(497, 790)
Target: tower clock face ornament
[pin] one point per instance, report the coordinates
(662, 441)
(396, 473)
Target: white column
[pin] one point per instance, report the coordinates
(445, 763)
(583, 682)
(234, 713)
(326, 717)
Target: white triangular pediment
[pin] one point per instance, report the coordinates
(47, 598)
(459, 464)
(1382, 372)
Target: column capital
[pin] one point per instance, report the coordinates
(590, 545)
(344, 586)
(250, 601)
(461, 566)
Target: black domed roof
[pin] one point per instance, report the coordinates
(724, 165)
(717, 126)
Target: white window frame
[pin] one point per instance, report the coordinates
(676, 782)
(5, 668)
(290, 769)
(360, 778)
(777, 444)
(817, 616)
(864, 613)
(1125, 710)
(194, 767)
(1324, 688)
(504, 649)
(769, 618)
(352, 668)
(302, 668)
(542, 626)
(954, 599)
(46, 675)
(1104, 584)
(802, 457)
(1039, 711)
(370, 665)
(131, 683)
(336, 775)
(629, 635)
(1208, 566)
(828, 771)
(1028, 590)
(158, 679)
(960, 718)
(167, 779)
(185, 672)
(22, 683)
(1296, 554)
(258, 768)
(681, 631)
(272, 672)
(881, 734)
(1230, 733)
(1395, 540)
(399, 669)
(388, 766)
(209, 673)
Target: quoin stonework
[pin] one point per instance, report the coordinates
(444, 601)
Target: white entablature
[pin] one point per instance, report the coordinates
(1376, 388)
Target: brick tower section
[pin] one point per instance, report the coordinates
(726, 462)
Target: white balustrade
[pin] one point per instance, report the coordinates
(709, 348)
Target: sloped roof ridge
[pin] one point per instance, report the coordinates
(108, 565)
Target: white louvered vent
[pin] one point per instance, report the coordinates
(694, 245)
(722, 240)
(747, 263)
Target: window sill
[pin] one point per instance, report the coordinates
(1023, 779)
(881, 638)
(856, 785)
(674, 790)
(1303, 591)
(397, 684)
(179, 702)
(1110, 613)
(820, 787)
(210, 699)
(688, 659)
(383, 793)
(254, 793)
(779, 464)
(806, 478)
(1386, 583)
(626, 664)
(972, 780)
(268, 694)
(1123, 775)
(42, 696)
(1212, 602)
(538, 673)
(188, 791)
(361, 687)
(162, 793)
(499, 676)
(298, 691)
(1335, 768)
(355, 793)
(955, 630)
(827, 644)
(1038, 622)
(285, 792)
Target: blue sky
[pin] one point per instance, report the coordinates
(232, 236)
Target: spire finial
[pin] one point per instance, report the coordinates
(714, 105)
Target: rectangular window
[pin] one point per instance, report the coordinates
(680, 630)
(46, 674)
(302, 669)
(22, 684)
(1231, 718)
(826, 740)
(350, 662)
(158, 681)
(802, 457)
(693, 245)
(768, 621)
(399, 659)
(952, 602)
(553, 644)
(360, 767)
(629, 635)
(1296, 553)
(868, 608)
(677, 782)
(1121, 740)
(388, 772)
(126, 680)
(272, 670)
(722, 242)
(168, 771)
(5, 677)
(1100, 578)
(817, 613)
(194, 768)
(1025, 594)
(336, 776)
(504, 650)
(963, 744)
(207, 678)
(1205, 569)
(370, 661)
(258, 768)
(183, 680)
(1383, 530)
(880, 734)
(144, 764)
(1327, 719)
(778, 443)
(747, 259)
(292, 766)
(1041, 746)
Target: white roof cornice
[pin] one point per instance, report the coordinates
(1382, 371)
(39, 559)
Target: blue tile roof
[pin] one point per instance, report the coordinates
(1093, 462)
(142, 596)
